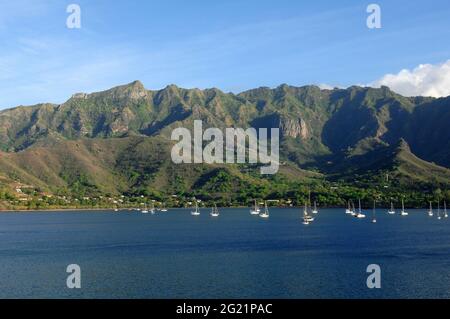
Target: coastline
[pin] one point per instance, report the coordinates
(112, 210)
(50, 210)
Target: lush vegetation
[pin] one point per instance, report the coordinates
(112, 148)
(222, 190)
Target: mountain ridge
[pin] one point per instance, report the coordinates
(332, 133)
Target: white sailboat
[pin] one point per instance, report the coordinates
(255, 210)
(403, 212)
(307, 219)
(353, 213)
(445, 210)
(152, 209)
(265, 214)
(349, 210)
(145, 210)
(196, 212)
(374, 214)
(439, 210)
(315, 210)
(305, 214)
(392, 210)
(163, 208)
(214, 211)
(360, 214)
(430, 211)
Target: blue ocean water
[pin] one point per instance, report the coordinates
(176, 255)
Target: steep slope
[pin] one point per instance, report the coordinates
(60, 165)
(396, 163)
(133, 165)
(428, 131)
(118, 140)
(363, 113)
(130, 109)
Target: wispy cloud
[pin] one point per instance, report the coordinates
(49, 67)
(42, 61)
(13, 11)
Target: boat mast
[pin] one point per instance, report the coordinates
(439, 208)
(374, 211)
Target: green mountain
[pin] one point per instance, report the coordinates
(118, 141)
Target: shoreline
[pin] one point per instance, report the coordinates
(55, 210)
(112, 210)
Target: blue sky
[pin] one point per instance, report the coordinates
(233, 45)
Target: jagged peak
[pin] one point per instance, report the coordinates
(132, 86)
(402, 145)
(382, 90)
(283, 86)
(172, 87)
(132, 90)
(80, 95)
(137, 83)
(169, 90)
(286, 87)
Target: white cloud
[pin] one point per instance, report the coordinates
(326, 86)
(424, 80)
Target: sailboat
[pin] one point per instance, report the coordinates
(374, 217)
(403, 212)
(349, 209)
(430, 211)
(214, 211)
(392, 210)
(445, 210)
(163, 208)
(315, 210)
(305, 214)
(152, 209)
(266, 211)
(439, 210)
(360, 214)
(145, 210)
(307, 219)
(353, 213)
(255, 210)
(196, 212)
